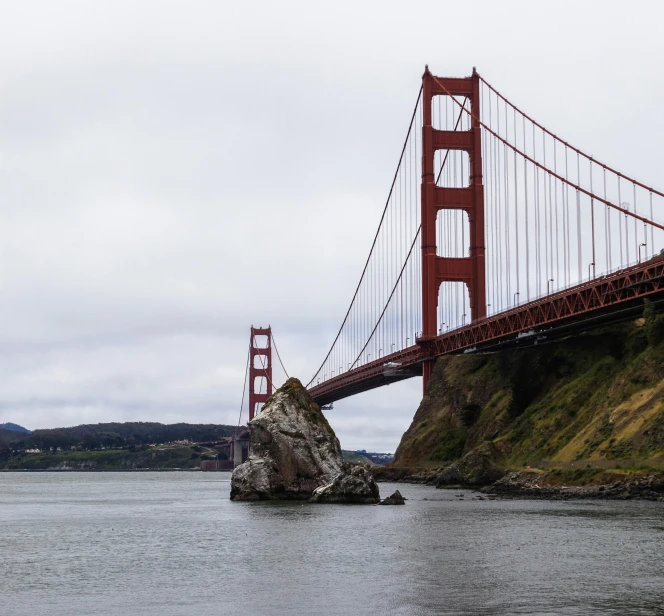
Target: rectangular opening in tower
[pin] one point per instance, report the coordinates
(260, 361)
(260, 385)
(447, 113)
(452, 233)
(260, 342)
(453, 306)
(451, 168)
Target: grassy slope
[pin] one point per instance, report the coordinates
(597, 398)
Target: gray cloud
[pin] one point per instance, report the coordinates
(171, 173)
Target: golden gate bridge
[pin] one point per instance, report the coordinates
(495, 232)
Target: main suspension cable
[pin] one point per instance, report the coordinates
(366, 344)
(279, 356)
(244, 391)
(558, 177)
(571, 147)
(373, 244)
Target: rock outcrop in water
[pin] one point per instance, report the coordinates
(394, 499)
(293, 451)
(354, 485)
(476, 468)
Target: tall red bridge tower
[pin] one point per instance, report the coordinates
(263, 370)
(470, 199)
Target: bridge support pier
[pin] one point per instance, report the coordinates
(436, 270)
(427, 371)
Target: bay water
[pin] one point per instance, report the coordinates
(172, 544)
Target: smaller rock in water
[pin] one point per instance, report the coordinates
(477, 468)
(353, 485)
(394, 499)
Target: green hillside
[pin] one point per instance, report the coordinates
(95, 436)
(154, 458)
(596, 398)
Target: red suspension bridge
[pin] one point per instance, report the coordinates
(495, 232)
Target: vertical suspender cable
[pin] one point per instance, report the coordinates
(636, 241)
(569, 243)
(507, 215)
(652, 230)
(244, 390)
(578, 217)
(607, 216)
(620, 226)
(592, 219)
(527, 233)
(555, 185)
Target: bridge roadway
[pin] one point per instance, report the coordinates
(610, 298)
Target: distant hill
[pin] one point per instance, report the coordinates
(12, 427)
(367, 457)
(377, 458)
(95, 436)
(355, 457)
(125, 459)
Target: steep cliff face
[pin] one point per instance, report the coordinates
(597, 397)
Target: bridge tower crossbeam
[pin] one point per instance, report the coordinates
(469, 269)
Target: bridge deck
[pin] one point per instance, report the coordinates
(605, 299)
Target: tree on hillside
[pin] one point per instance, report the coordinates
(654, 323)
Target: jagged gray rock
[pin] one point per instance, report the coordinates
(355, 484)
(293, 449)
(394, 499)
(476, 468)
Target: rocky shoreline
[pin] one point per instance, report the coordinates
(552, 484)
(525, 484)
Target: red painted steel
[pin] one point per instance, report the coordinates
(265, 371)
(604, 294)
(435, 270)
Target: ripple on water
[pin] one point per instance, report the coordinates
(173, 543)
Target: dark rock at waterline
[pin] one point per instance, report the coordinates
(476, 468)
(355, 485)
(532, 484)
(394, 499)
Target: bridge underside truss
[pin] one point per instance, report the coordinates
(600, 301)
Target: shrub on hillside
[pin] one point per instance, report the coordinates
(654, 323)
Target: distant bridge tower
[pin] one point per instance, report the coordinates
(264, 370)
(468, 269)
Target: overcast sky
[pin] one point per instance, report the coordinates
(172, 172)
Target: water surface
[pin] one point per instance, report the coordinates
(167, 544)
